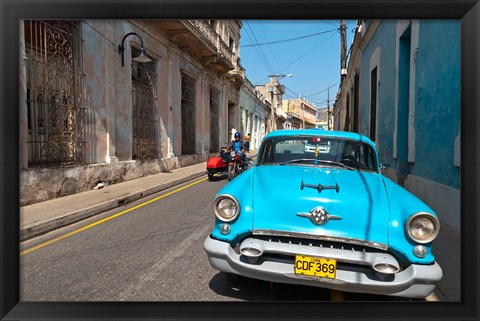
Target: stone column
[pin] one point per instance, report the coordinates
(169, 127)
(123, 93)
(98, 90)
(112, 62)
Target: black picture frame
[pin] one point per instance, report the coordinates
(11, 12)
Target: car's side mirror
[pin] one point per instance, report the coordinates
(384, 166)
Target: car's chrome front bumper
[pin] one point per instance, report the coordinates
(417, 281)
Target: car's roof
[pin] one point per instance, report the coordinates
(319, 132)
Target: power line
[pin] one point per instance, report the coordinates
(293, 92)
(259, 50)
(286, 40)
(269, 47)
(306, 53)
(322, 90)
(302, 56)
(330, 23)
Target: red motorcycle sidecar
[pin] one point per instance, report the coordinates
(217, 165)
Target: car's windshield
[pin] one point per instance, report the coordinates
(314, 151)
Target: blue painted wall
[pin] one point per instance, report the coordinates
(384, 37)
(437, 99)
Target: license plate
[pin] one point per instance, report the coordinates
(315, 266)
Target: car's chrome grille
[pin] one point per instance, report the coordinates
(283, 250)
(319, 243)
(324, 238)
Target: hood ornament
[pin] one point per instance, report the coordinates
(319, 216)
(320, 187)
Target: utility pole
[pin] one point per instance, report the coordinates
(272, 113)
(273, 84)
(343, 49)
(343, 69)
(329, 113)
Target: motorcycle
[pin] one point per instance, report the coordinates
(235, 164)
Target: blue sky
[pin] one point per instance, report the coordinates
(313, 60)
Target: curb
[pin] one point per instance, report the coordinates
(79, 215)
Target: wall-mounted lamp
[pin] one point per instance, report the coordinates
(142, 57)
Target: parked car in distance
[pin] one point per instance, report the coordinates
(324, 216)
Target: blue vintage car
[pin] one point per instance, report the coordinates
(316, 210)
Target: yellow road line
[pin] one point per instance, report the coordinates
(108, 218)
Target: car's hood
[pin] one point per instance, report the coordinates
(361, 202)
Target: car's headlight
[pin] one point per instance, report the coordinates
(226, 208)
(422, 227)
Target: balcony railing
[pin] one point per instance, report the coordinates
(205, 29)
(210, 35)
(239, 70)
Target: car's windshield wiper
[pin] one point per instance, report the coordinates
(299, 160)
(336, 163)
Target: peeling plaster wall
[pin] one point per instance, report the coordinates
(123, 94)
(98, 90)
(216, 85)
(107, 93)
(43, 184)
(176, 104)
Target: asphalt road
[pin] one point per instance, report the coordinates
(150, 250)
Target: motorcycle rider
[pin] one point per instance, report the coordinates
(238, 146)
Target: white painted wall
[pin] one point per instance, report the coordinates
(375, 62)
(444, 200)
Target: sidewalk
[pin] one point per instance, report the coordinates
(49, 215)
(447, 251)
(46, 216)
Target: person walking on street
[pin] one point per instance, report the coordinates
(247, 142)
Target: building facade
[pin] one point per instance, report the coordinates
(322, 118)
(300, 108)
(90, 113)
(402, 90)
(273, 91)
(254, 111)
